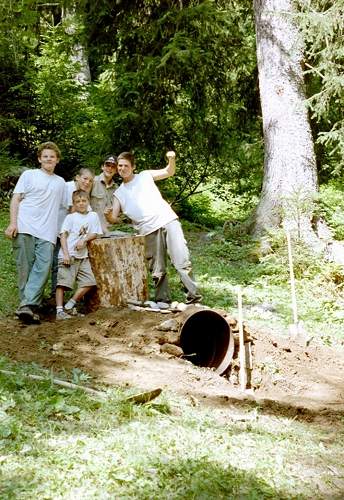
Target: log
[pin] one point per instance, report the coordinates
(119, 267)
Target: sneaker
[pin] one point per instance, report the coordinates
(193, 299)
(62, 315)
(27, 316)
(74, 312)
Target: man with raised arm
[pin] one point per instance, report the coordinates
(139, 199)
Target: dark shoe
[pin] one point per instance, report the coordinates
(27, 316)
(49, 302)
(36, 320)
(193, 299)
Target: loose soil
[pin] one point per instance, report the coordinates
(126, 348)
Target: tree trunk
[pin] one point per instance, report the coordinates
(71, 23)
(290, 176)
(119, 266)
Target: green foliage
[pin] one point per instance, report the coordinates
(9, 166)
(217, 204)
(321, 22)
(19, 28)
(64, 108)
(8, 280)
(331, 207)
(224, 260)
(165, 75)
(183, 78)
(199, 209)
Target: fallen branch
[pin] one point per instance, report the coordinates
(63, 383)
(141, 398)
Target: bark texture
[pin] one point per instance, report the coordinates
(79, 54)
(119, 266)
(290, 176)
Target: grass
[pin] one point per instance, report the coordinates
(58, 443)
(8, 281)
(224, 261)
(62, 444)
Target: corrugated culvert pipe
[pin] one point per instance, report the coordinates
(207, 340)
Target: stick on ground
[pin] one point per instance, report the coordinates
(242, 354)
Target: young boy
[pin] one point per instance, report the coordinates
(103, 188)
(139, 198)
(77, 229)
(33, 228)
(84, 181)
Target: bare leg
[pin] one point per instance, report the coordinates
(59, 296)
(80, 292)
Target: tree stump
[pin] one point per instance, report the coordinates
(119, 266)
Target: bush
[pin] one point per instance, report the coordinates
(331, 207)
(199, 209)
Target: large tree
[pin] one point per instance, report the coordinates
(290, 174)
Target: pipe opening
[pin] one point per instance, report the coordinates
(207, 340)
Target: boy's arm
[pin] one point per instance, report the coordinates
(12, 229)
(63, 240)
(80, 244)
(168, 171)
(112, 214)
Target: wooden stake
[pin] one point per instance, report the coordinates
(242, 354)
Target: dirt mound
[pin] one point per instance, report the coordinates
(126, 348)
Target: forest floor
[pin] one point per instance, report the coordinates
(125, 348)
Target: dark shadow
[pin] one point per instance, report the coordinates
(176, 479)
(274, 408)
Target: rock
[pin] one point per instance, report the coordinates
(163, 305)
(168, 325)
(170, 338)
(134, 302)
(151, 304)
(178, 306)
(335, 252)
(172, 349)
(57, 347)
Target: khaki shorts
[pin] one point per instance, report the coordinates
(79, 271)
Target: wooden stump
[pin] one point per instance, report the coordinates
(119, 266)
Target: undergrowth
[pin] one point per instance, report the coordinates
(223, 260)
(61, 443)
